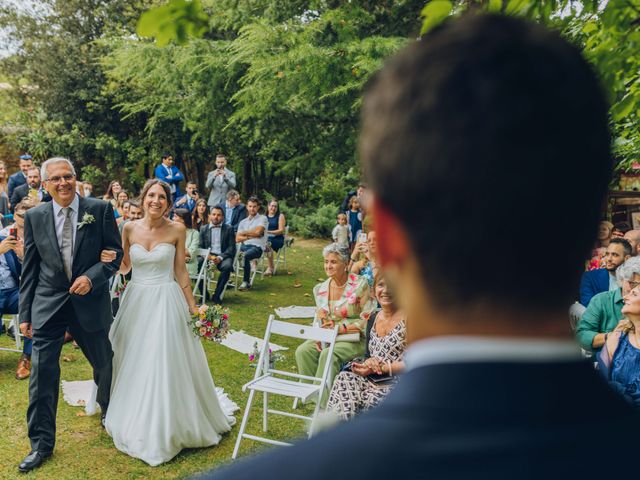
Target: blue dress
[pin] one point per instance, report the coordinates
(277, 241)
(355, 221)
(625, 370)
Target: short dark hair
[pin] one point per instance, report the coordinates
(232, 194)
(134, 203)
(185, 215)
(477, 131)
(192, 182)
(253, 199)
(217, 207)
(625, 244)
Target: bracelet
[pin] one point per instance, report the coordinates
(184, 286)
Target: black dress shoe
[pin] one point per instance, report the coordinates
(33, 460)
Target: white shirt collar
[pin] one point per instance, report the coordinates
(465, 349)
(75, 205)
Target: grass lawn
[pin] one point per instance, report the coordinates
(84, 450)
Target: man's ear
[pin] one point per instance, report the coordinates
(393, 247)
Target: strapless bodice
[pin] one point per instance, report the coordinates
(153, 266)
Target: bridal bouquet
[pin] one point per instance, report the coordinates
(210, 323)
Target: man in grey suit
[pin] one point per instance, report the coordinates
(64, 286)
(220, 181)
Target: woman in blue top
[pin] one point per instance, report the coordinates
(619, 360)
(275, 232)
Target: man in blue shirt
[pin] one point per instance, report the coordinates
(604, 279)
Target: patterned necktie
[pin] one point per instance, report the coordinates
(66, 249)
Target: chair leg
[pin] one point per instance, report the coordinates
(16, 331)
(295, 403)
(265, 406)
(243, 425)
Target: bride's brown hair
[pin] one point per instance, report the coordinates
(150, 183)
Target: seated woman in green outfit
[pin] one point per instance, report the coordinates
(343, 299)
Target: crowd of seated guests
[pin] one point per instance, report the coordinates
(364, 382)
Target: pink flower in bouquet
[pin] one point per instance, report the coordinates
(203, 309)
(225, 316)
(203, 330)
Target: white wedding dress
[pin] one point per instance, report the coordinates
(162, 397)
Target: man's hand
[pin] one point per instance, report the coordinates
(215, 259)
(107, 256)
(81, 286)
(7, 244)
(26, 329)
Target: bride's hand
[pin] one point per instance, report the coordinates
(193, 309)
(107, 256)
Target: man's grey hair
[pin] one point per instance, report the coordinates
(343, 253)
(627, 270)
(52, 161)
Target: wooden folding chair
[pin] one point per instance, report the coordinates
(270, 381)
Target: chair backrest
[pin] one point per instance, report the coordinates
(305, 332)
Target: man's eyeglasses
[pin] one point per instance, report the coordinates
(57, 179)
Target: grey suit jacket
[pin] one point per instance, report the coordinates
(44, 287)
(220, 186)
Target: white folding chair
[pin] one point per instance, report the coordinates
(238, 266)
(201, 284)
(281, 256)
(13, 320)
(235, 278)
(277, 382)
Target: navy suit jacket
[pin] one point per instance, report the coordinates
(15, 180)
(176, 177)
(592, 283)
(14, 263)
(470, 420)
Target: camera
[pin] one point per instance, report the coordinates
(13, 232)
(194, 191)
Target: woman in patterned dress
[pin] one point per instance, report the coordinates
(354, 391)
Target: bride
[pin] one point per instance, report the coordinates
(162, 396)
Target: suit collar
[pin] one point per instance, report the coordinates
(80, 234)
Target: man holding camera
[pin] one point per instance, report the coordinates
(220, 181)
(189, 199)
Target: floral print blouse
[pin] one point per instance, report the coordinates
(354, 305)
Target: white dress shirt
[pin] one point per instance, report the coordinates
(250, 223)
(216, 244)
(473, 349)
(58, 216)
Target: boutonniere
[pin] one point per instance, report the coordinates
(87, 219)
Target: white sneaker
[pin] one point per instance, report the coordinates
(244, 286)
